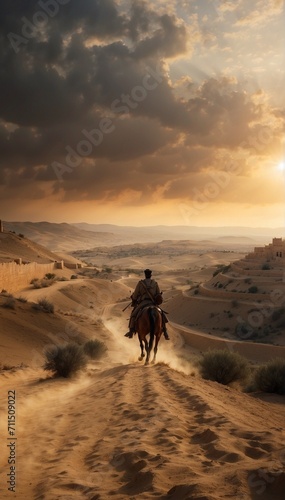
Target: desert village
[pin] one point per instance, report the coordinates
(121, 430)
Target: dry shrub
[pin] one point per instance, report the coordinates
(50, 276)
(223, 366)
(271, 377)
(65, 361)
(48, 280)
(44, 305)
(10, 303)
(95, 349)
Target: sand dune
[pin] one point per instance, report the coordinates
(120, 429)
(133, 432)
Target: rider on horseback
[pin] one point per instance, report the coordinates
(146, 292)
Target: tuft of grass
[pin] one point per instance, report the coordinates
(271, 377)
(223, 366)
(65, 361)
(95, 349)
(22, 299)
(44, 305)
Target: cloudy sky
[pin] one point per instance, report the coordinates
(140, 113)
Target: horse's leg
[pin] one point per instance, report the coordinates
(147, 351)
(142, 351)
(158, 333)
(157, 337)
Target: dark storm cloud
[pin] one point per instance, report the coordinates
(53, 88)
(91, 59)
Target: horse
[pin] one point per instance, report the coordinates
(149, 321)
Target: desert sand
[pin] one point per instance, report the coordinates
(120, 429)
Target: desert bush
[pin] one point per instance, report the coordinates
(244, 331)
(44, 305)
(65, 361)
(95, 349)
(44, 283)
(10, 303)
(271, 377)
(107, 270)
(36, 283)
(253, 289)
(50, 276)
(33, 280)
(223, 366)
(235, 303)
(73, 277)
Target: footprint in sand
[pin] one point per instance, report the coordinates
(207, 436)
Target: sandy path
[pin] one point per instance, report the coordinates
(140, 432)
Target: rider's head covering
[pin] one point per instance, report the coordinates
(147, 273)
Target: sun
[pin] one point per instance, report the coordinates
(281, 166)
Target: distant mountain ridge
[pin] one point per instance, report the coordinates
(64, 237)
(183, 231)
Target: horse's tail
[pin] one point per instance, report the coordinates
(152, 319)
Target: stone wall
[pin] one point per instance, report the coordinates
(70, 265)
(15, 277)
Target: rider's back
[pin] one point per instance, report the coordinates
(146, 289)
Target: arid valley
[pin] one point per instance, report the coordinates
(119, 429)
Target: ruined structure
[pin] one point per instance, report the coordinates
(274, 252)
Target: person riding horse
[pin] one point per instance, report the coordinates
(146, 292)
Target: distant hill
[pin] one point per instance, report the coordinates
(157, 233)
(61, 237)
(83, 236)
(13, 247)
